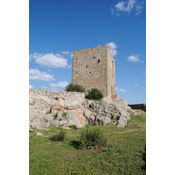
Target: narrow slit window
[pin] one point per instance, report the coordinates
(98, 61)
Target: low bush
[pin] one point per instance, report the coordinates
(75, 88)
(64, 114)
(94, 94)
(93, 136)
(58, 137)
(73, 127)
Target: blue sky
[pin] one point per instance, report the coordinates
(57, 28)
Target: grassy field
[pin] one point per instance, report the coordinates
(125, 153)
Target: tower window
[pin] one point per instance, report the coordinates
(93, 57)
(98, 61)
(86, 66)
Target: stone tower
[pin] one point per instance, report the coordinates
(95, 68)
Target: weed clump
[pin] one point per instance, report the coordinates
(64, 114)
(75, 88)
(92, 136)
(55, 117)
(73, 127)
(94, 94)
(58, 137)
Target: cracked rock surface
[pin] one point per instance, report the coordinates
(53, 108)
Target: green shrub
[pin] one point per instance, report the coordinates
(94, 94)
(93, 136)
(73, 127)
(64, 114)
(55, 116)
(75, 87)
(58, 137)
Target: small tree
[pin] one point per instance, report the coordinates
(75, 88)
(94, 94)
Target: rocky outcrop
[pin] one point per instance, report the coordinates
(99, 113)
(45, 104)
(53, 109)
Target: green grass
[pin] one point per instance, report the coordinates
(93, 136)
(64, 114)
(124, 153)
(55, 117)
(58, 137)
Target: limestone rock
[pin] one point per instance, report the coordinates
(72, 120)
(87, 113)
(55, 108)
(39, 134)
(60, 116)
(120, 123)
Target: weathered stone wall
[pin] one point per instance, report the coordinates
(46, 101)
(46, 109)
(94, 68)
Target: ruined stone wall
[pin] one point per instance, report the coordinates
(58, 95)
(41, 102)
(90, 68)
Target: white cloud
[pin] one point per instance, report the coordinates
(112, 10)
(122, 90)
(60, 85)
(120, 6)
(30, 86)
(124, 6)
(69, 66)
(112, 47)
(138, 9)
(65, 52)
(36, 75)
(133, 58)
(44, 87)
(49, 60)
(71, 55)
(136, 84)
(130, 5)
(30, 57)
(113, 52)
